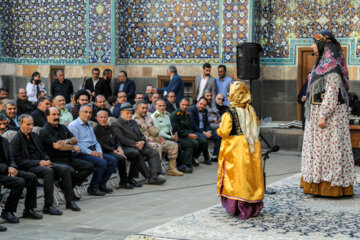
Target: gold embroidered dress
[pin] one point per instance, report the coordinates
(240, 177)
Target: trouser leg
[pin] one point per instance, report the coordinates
(153, 159)
(203, 145)
(187, 145)
(47, 174)
(121, 166)
(217, 142)
(64, 173)
(83, 170)
(16, 186)
(111, 164)
(100, 167)
(134, 156)
(31, 181)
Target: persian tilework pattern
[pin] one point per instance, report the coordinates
(48, 29)
(6, 28)
(282, 21)
(235, 27)
(99, 31)
(167, 31)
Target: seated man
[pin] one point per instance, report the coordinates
(100, 104)
(15, 180)
(154, 98)
(24, 106)
(121, 98)
(208, 97)
(59, 143)
(131, 136)
(146, 124)
(200, 125)
(69, 106)
(110, 144)
(39, 114)
(65, 115)
(162, 121)
(11, 113)
(138, 97)
(90, 150)
(81, 97)
(171, 104)
(27, 151)
(180, 121)
(148, 91)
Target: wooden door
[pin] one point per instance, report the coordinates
(305, 64)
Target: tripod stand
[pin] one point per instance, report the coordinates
(266, 156)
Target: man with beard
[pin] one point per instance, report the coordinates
(65, 115)
(24, 106)
(205, 82)
(81, 97)
(171, 104)
(223, 83)
(100, 105)
(59, 143)
(131, 136)
(107, 76)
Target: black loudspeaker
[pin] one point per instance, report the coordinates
(248, 60)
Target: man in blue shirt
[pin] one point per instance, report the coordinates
(90, 150)
(223, 83)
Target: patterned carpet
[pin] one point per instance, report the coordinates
(288, 214)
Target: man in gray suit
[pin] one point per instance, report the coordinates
(205, 82)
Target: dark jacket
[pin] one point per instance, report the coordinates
(128, 133)
(100, 87)
(107, 90)
(195, 121)
(24, 107)
(170, 108)
(96, 110)
(19, 152)
(12, 125)
(129, 89)
(64, 89)
(6, 162)
(176, 85)
(75, 111)
(39, 118)
(107, 138)
(180, 123)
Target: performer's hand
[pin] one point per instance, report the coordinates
(322, 123)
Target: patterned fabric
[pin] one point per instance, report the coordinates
(327, 154)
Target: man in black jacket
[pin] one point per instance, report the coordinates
(59, 143)
(95, 84)
(81, 97)
(11, 114)
(130, 136)
(24, 106)
(39, 114)
(62, 86)
(107, 76)
(110, 144)
(27, 152)
(125, 85)
(100, 104)
(171, 104)
(15, 180)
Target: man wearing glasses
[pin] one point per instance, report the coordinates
(223, 83)
(120, 99)
(171, 104)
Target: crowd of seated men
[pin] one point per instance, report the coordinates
(65, 138)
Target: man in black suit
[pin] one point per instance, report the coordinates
(39, 114)
(95, 84)
(125, 85)
(100, 104)
(200, 124)
(59, 143)
(15, 180)
(23, 104)
(107, 76)
(171, 104)
(62, 86)
(131, 136)
(81, 97)
(28, 153)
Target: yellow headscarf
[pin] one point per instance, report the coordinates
(240, 99)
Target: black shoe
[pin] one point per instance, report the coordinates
(207, 162)
(126, 185)
(156, 180)
(195, 162)
(105, 189)
(95, 192)
(135, 183)
(72, 205)
(214, 159)
(9, 217)
(32, 214)
(2, 228)
(185, 169)
(51, 210)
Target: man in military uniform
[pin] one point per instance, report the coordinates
(162, 121)
(151, 133)
(180, 121)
